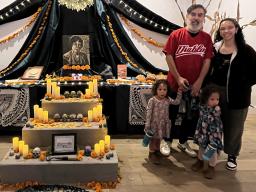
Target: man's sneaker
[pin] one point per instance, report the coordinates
(231, 163)
(165, 148)
(198, 165)
(187, 149)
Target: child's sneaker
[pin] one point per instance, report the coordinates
(198, 165)
(154, 158)
(165, 148)
(209, 173)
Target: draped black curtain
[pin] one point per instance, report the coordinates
(41, 51)
(47, 51)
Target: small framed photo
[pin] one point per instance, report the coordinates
(32, 73)
(64, 144)
(121, 71)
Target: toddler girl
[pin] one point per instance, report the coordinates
(209, 131)
(157, 118)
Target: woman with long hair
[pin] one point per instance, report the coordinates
(233, 68)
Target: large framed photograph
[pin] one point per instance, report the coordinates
(76, 49)
(64, 144)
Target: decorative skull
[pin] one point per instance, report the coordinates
(36, 152)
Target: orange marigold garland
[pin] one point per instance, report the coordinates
(140, 34)
(119, 46)
(76, 67)
(14, 35)
(39, 33)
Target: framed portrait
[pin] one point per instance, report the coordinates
(75, 49)
(64, 144)
(121, 71)
(32, 73)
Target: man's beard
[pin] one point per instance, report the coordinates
(194, 26)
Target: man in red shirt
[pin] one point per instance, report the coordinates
(188, 52)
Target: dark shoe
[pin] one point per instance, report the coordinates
(154, 158)
(198, 165)
(231, 163)
(209, 173)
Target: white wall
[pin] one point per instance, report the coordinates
(10, 49)
(168, 9)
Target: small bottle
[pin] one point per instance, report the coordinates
(209, 151)
(148, 135)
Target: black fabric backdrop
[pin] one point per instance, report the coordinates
(93, 22)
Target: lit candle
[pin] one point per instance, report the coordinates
(87, 93)
(21, 144)
(48, 86)
(25, 151)
(45, 116)
(91, 87)
(95, 87)
(40, 114)
(94, 113)
(36, 107)
(15, 144)
(90, 116)
(97, 148)
(54, 84)
(102, 145)
(107, 140)
(57, 92)
(99, 110)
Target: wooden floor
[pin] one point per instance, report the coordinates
(174, 174)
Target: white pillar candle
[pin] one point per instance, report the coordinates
(45, 116)
(36, 107)
(25, 151)
(21, 144)
(48, 86)
(57, 93)
(54, 84)
(95, 87)
(90, 116)
(107, 140)
(40, 114)
(102, 145)
(91, 87)
(97, 148)
(87, 93)
(15, 144)
(94, 113)
(99, 107)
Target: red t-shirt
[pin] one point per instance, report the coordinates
(188, 53)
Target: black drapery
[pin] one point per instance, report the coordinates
(143, 17)
(41, 51)
(19, 9)
(47, 51)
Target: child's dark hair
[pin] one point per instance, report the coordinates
(157, 84)
(206, 93)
